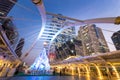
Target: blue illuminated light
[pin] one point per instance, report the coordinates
(41, 63)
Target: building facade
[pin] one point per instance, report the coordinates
(7, 24)
(64, 44)
(116, 39)
(19, 47)
(93, 40)
(11, 31)
(6, 6)
(65, 49)
(61, 47)
(78, 46)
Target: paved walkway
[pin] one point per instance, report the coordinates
(48, 78)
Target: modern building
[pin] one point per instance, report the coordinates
(59, 47)
(78, 46)
(11, 35)
(93, 40)
(19, 47)
(65, 49)
(11, 31)
(6, 6)
(116, 39)
(64, 44)
(7, 24)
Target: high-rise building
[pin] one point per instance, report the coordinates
(64, 44)
(61, 46)
(116, 39)
(6, 6)
(93, 40)
(19, 47)
(78, 46)
(10, 30)
(65, 49)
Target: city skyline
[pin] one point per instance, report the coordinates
(27, 18)
(69, 39)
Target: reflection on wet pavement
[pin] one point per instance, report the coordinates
(49, 78)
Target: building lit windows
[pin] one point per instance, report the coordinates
(116, 39)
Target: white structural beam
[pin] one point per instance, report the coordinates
(100, 20)
(93, 58)
(111, 20)
(41, 9)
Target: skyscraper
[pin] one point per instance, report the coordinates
(65, 49)
(6, 6)
(10, 30)
(116, 39)
(60, 48)
(93, 40)
(19, 47)
(78, 46)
